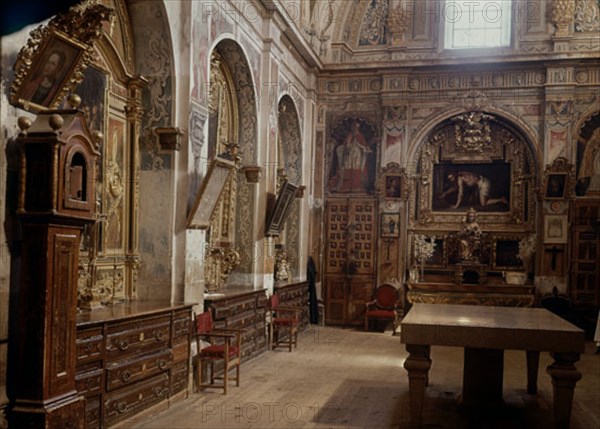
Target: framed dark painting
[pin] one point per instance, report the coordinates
(281, 208)
(45, 83)
(208, 195)
(505, 254)
(555, 185)
(457, 187)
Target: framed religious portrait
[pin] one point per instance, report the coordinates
(393, 186)
(483, 186)
(390, 225)
(53, 71)
(280, 209)
(208, 195)
(556, 185)
(555, 229)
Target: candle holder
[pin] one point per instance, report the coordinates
(252, 173)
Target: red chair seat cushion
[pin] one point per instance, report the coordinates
(382, 314)
(218, 351)
(284, 321)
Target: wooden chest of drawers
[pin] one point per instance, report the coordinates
(242, 308)
(294, 295)
(130, 357)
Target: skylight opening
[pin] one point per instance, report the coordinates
(477, 23)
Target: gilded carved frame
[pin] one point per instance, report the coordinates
(473, 139)
(65, 43)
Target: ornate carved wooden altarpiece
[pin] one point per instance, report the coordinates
(478, 161)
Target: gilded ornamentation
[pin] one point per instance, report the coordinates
(472, 132)
(81, 25)
(282, 267)
(219, 263)
(587, 15)
(501, 300)
(398, 23)
(562, 16)
(440, 158)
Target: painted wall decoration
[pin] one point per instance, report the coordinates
(374, 28)
(353, 154)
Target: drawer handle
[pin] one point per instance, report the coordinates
(162, 364)
(121, 407)
(158, 392)
(160, 335)
(126, 376)
(123, 345)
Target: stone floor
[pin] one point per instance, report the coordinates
(344, 378)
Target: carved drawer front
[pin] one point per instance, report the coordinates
(92, 412)
(182, 324)
(221, 310)
(244, 304)
(121, 374)
(124, 403)
(242, 320)
(179, 377)
(89, 378)
(89, 345)
(261, 301)
(129, 339)
(181, 352)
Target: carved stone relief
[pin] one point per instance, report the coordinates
(587, 15)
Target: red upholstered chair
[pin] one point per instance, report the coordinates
(224, 345)
(283, 324)
(386, 305)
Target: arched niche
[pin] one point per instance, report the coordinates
(501, 164)
(232, 133)
(289, 145)
(588, 157)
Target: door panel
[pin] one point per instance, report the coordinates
(351, 231)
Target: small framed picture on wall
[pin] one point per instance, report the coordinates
(393, 186)
(555, 229)
(555, 185)
(390, 225)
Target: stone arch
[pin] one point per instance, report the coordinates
(587, 148)
(289, 145)
(521, 128)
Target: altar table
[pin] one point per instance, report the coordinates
(485, 332)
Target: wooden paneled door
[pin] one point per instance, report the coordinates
(350, 258)
(585, 259)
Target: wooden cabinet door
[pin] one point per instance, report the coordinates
(585, 271)
(350, 249)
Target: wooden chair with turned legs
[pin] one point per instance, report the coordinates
(222, 345)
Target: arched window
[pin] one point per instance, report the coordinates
(477, 23)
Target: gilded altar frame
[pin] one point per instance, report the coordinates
(479, 142)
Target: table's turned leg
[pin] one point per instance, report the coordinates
(564, 377)
(533, 365)
(417, 364)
